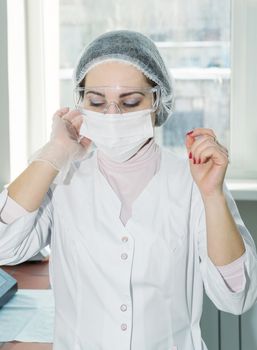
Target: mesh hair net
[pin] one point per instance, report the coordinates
(136, 49)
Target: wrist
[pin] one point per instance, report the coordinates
(214, 197)
(54, 153)
(57, 154)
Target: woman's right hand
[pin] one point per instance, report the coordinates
(31, 186)
(65, 144)
(65, 129)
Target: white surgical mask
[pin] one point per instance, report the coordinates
(119, 136)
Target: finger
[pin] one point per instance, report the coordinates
(189, 140)
(197, 134)
(224, 151)
(77, 121)
(202, 131)
(73, 132)
(60, 112)
(201, 140)
(214, 139)
(84, 141)
(71, 114)
(200, 145)
(214, 153)
(223, 148)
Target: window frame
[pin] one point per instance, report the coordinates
(32, 29)
(243, 145)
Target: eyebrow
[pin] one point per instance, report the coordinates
(121, 95)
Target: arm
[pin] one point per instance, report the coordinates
(224, 241)
(29, 189)
(27, 234)
(221, 234)
(31, 186)
(208, 165)
(216, 286)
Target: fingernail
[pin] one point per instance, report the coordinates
(190, 155)
(199, 161)
(190, 132)
(194, 160)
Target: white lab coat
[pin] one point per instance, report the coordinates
(138, 287)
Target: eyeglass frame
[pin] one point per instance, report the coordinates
(155, 98)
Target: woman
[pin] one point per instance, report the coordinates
(135, 230)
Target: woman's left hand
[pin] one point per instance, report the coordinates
(208, 161)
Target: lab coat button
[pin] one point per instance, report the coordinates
(123, 326)
(123, 307)
(124, 256)
(124, 239)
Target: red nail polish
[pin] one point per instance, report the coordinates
(199, 161)
(190, 132)
(194, 160)
(190, 155)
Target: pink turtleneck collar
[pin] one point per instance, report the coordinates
(129, 178)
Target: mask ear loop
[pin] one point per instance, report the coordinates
(78, 96)
(155, 98)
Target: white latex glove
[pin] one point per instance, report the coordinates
(65, 144)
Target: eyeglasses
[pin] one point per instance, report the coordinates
(121, 99)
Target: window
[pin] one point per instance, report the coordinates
(194, 40)
(209, 46)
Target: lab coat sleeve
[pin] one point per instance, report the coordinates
(217, 290)
(11, 211)
(27, 235)
(233, 273)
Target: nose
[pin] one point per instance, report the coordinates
(112, 108)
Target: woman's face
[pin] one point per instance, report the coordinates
(114, 74)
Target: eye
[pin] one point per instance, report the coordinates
(131, 102)
(96, 104)
(95, 101)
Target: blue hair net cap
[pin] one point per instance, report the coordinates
(134, 48)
